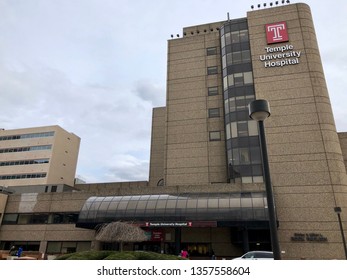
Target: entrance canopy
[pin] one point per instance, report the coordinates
(219, 207)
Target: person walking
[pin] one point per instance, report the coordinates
(20, 251)
(184, 254)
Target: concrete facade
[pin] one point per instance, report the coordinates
(156, 169)
(306, 162)
(191, 159)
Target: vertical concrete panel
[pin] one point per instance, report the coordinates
(298, 97)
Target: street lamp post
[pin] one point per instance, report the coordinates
(259, 110)
(338, 212)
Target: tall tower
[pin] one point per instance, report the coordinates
(307, 167)
(214, 71)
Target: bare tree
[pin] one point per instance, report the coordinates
(120, 232)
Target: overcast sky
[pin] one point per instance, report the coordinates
(98, 67)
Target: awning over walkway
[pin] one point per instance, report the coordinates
(183, 207)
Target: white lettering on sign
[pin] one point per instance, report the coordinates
(280, 56)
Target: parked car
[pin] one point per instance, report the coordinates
(257, 255)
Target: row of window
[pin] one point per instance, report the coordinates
(237, 103)
(66, 247)
(213, 112)
(242, 141)
(24, 162)
(238, 79)
(245, 156)
(23, 176)
(25, 149)
(234, 37)
(241, 129)
(40, 218)
(53, 247)
(236, 58)
(29, 135)
(213, 70)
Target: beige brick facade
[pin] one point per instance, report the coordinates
(307, 168)
(60, 157)
(191, 159)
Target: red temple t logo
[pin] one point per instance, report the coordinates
(276, 32)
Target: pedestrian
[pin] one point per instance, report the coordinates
(12, 251)
(20, 251)
(213, 256)
(184, 254)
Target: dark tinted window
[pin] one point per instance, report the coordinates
(262, 255)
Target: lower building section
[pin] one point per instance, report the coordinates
(222, 224)
(201, 243)
(223, 242)
(225, 224)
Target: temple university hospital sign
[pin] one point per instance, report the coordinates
(279, 56)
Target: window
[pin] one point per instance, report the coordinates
(248, 78)
(212, 91)
(211, 51)
(58, 247)
(233, 126)
(215, 136)
(213, 113)
(235, 37)
(25, 149)
(238, 79)
(227, 38)
(244, 35)
(246, 56)
(30, 135)
(252, 128)
(242, 128)
(10, 219)
(22, 176)
(244, 156)
(237, 57)
(212, 70)
(24, 162)
(255, 156)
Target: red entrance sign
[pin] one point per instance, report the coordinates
(157, 235)
(154, 224)
(276, 32)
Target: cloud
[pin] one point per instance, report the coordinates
(151, 92)
(97, 70)
(125, 166)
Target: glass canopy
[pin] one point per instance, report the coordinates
(167, 207)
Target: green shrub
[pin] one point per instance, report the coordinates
(121, 256)
(112, 255)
